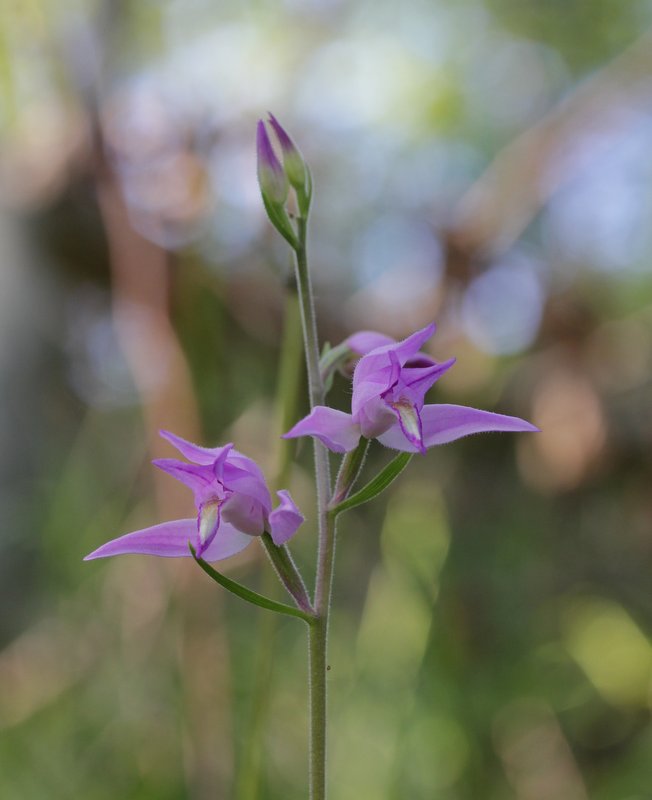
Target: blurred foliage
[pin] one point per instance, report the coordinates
(486, 164)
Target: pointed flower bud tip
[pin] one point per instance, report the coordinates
(295, 167)
(287, 145)
(271, 176)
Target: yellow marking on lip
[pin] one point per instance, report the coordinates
(208, 519)
(409, 420)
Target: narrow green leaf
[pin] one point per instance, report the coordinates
(246, 594)
(376, 485)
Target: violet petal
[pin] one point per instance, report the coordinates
(410, 347)
(194, 452)
(192, 475)
(375, 417)
(284, 519)
(374, 372)
(364, 342)
(245, 513)
(378, 358)
(168, 539)
(420, 379)
(244, 476)
(226, 543)
(335, 429)
(446, 423)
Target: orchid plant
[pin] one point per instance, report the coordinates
(389, 382)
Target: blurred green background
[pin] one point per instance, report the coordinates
(484, 164)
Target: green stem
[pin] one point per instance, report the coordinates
(316, 395)
(308, 318)
(350, 469)
(287, 572)
(318, 638)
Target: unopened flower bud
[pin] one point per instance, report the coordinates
(271, 176)
(295, 166)
(273, 185)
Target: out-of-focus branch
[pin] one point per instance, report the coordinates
(140, 286)
(536, 756)
(530, 169)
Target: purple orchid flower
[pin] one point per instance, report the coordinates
(389, 385)
(364, 342)
(233, 505)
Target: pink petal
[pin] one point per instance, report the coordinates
(227, 542)
(284, 519)
(245, 513)
(364, 342)
(410, 347)
(397, 440)
(221, 460)
(369, 388)
(378, 358)
(375, 417)
(335, 429)
(244, 476)
(192, 475)
(446, 423)
(395, 368)
(194, 452)
(420, 379)
(169, 539)
(375, 371)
